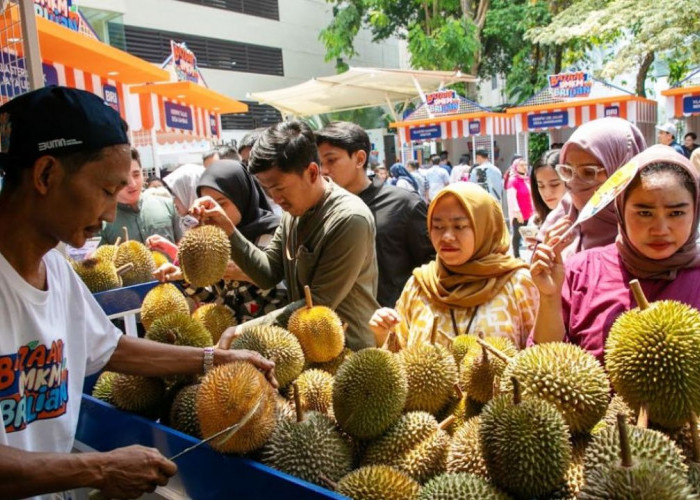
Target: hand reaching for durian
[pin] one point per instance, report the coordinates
(382, 321)
(226, 355)
(208, 211)
(547, 271)
(164, 245)
(168, 272)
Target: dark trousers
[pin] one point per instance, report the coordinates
(516, 236)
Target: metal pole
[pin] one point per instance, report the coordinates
(30, 41)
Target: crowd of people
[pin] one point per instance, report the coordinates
(416, 250)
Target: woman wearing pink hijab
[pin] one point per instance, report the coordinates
(592, 154)
(657, 216)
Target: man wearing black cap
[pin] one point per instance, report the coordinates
(64, 156)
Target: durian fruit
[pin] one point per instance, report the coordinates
(315, 390)
(627, 474)
(416, 445)
(309, 447)
(431, 373)
(136, 253)
(284, 409)
(159, 258)
(462, 345)
(616, 406)
(525, 444)
(183, 411)
(179, 329)
(319, 330)
(103, 387)
(332, 365)
(204, 252)
(98, 275)
(479, 369)
(574, 478)
(226, 395)
(216, 318)
(142, 395)
(277, 345)
(462, 407)
(460, 486)
(653, 358)
(563, 374)
(160, 301)
(464, 452)
(369, 393)
(378, 482)
(107, 252)
(645, 444)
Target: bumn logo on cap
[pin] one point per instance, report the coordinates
(58, 143)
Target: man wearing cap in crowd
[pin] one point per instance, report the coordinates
(210, 157)
(142, 214)
(667, 136)
(65, 157)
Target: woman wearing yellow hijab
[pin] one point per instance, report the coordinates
(473, 284)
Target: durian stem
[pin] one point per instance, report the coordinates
(643, 418)
(696, 437)
(484, 356)
(328, 481)
(125, 232)
(625, 451)
(392, 343)
(447, 422)
(459, 391)
(307, 294)
(297, 402)
(639, 297)
(445, 336)
(345, 328)
(496, 352)
(517, 397)
(125, 268)
(118, 241)
(433, 333)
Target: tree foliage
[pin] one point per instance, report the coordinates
(441, 34)
(634, 31)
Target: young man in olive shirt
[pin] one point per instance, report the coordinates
(325, 239)
(402, 233)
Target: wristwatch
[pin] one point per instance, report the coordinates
(208, 359)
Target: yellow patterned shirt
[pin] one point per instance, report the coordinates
(511, 313)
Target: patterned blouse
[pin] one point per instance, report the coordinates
(511, 314)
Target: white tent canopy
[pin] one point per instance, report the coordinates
(357, 88)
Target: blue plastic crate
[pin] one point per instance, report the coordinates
(203, 472)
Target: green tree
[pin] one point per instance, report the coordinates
(441, 34)
(635, 32)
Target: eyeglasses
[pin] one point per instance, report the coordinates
(587, 173)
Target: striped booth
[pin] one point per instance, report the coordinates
(461, 125)
(559, 117)
(683, 103)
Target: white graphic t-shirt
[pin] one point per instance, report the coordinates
(49, 341)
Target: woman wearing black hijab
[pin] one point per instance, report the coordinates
(244, 201)
(241, 197)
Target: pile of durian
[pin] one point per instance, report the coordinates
(475, 420)
(203, 254)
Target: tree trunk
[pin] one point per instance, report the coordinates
(642, 74)
(427, 17)
(558, 55)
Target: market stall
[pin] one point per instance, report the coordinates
(572, 99)
(169, 109)
(683, 103)
(461, 125)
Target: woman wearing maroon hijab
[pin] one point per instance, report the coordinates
(592, 154)
(657, 216)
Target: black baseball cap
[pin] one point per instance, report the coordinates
(56, 121)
